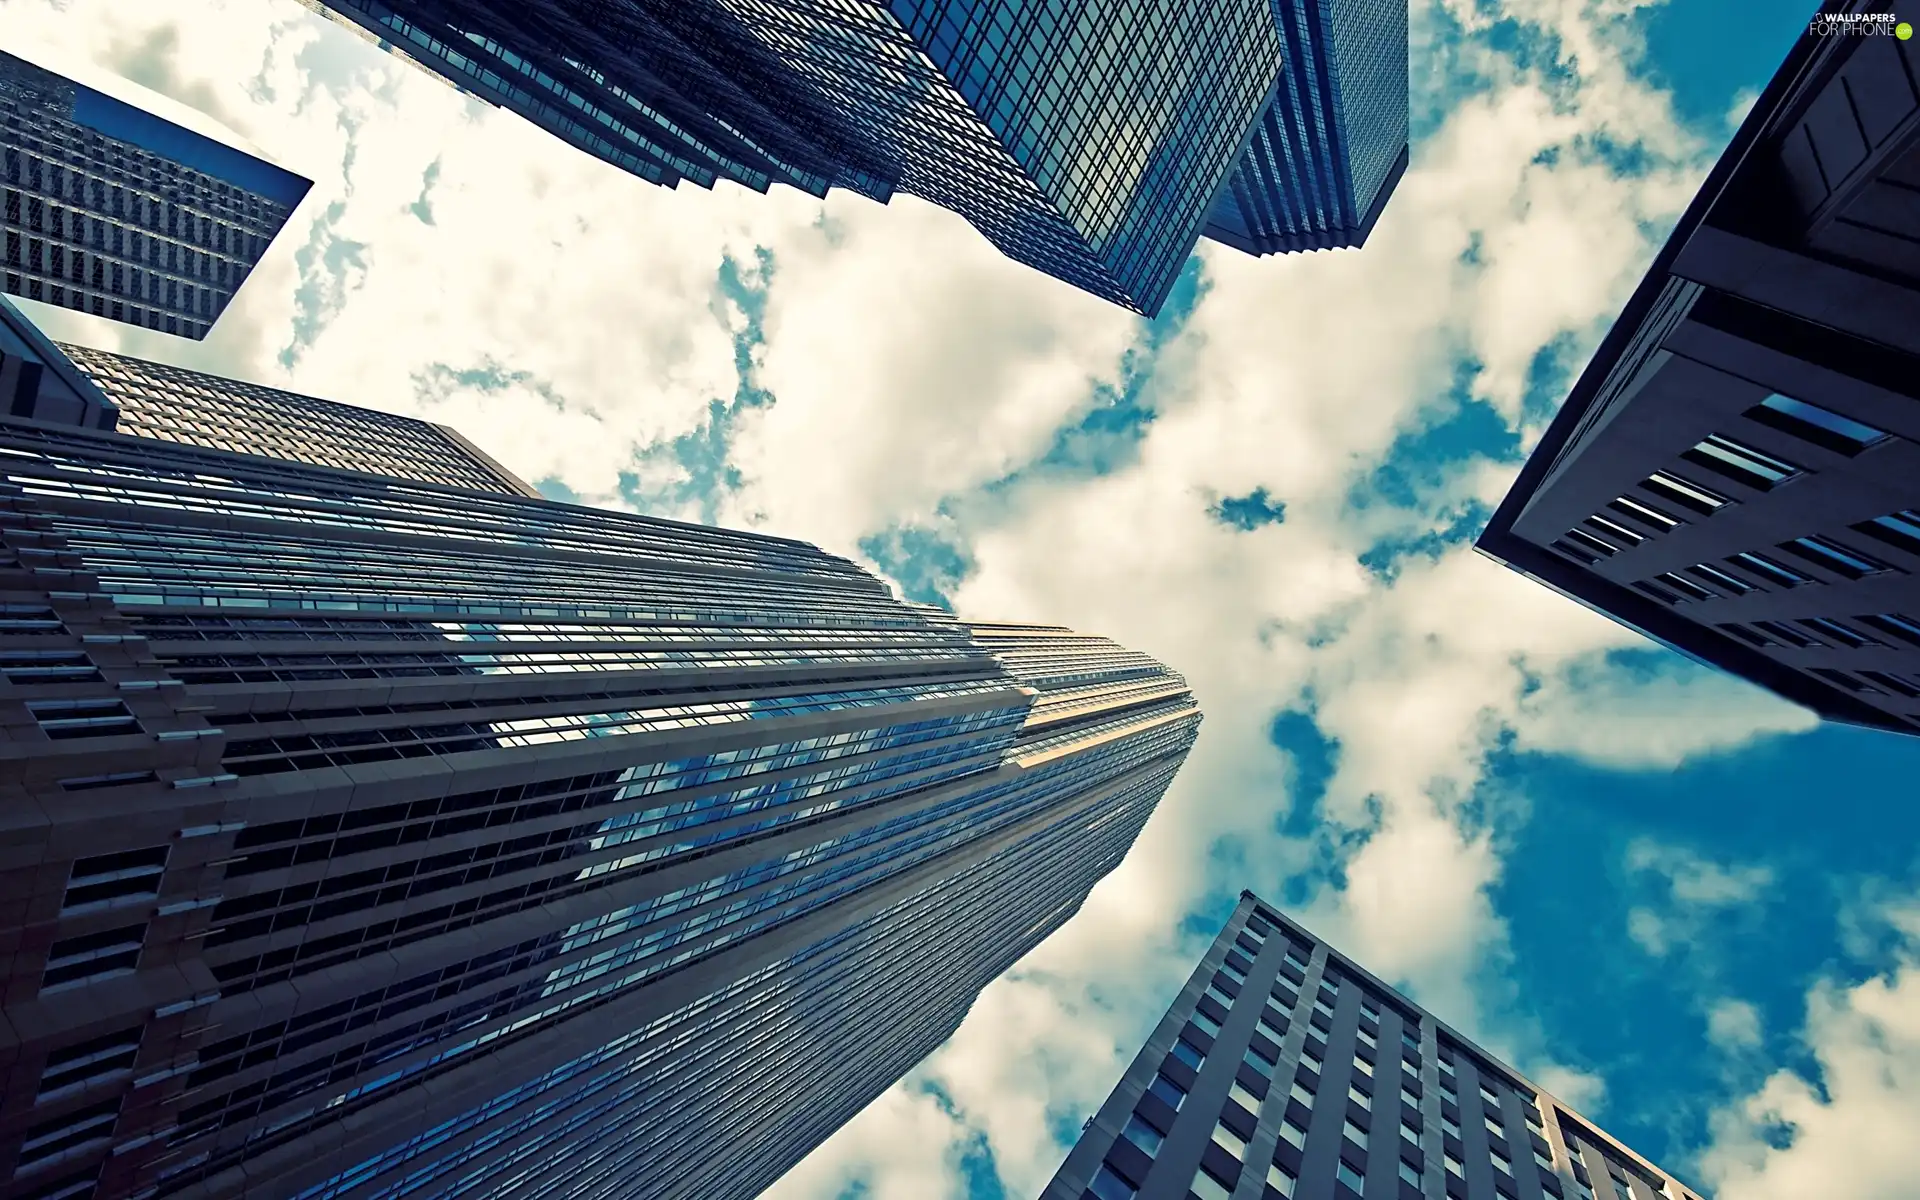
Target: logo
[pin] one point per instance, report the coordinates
(1860, 25)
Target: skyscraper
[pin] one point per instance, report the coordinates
(1096, 145)
(373, 835)
(1734, 473)
(114, 211)
(1285, 1071)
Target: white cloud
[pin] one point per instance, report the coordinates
(1850, 1135)
(1690, 892)
(1733, 1025)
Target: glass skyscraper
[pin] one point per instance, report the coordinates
(1096, 145)
(1286, 1071)
(374, 835)
(114, 211)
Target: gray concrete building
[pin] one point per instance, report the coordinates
(364, 836)
(1286, 1071)
(115, 211)
(1736, 474)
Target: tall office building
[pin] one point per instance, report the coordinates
(1284, 1071)
(365, 836)
(1734, 474)
(114, 211)
(1096, 145)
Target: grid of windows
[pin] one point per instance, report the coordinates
(1057, 137)
(102, 224)
(175, 405)
(1321, 1135)
(426, 881)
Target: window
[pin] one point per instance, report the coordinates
(1256, 930)
(1352, 1178)
(1239, 1094)
(1363, 1066)
(1296, 1136)
(1354, 1133)
(1454, 1166)
(1409, 1173)
(1370, 1006)
(1741, 462)
(1409, 1134)
(104, 878)
(1232, 972)
(1501, 1164)
(1300, 1093)
(1321, 1006)
(1647, 514)
(1410, 1098)
(1280, 1179)
(1168, 1091)
(1312, 1061)
(1614, 532)
(1410, 1039)
(1449, 1124)
(1685, 492)
(1494, 1127)
(1109, 1186)
(1368, 1040)
(1254, 1059)
(1686, 587)
(1620, 1186)
(1770, 570)
(1811, 423)
(1728, 584)
(90, 1059)
(1900, 529)
(1188, 1053)
(92, 1123)
(1273, 1024)
(1842, 561)
(62, 719)
(1143, 1135)
(94, 955)
(1294, 960)
(1229, 1141)
(1839, 632)
(1219, 996)
(47, 666)
(1359, 1097)
(1906, 628)
(1206, 1187)
(1206, 1022)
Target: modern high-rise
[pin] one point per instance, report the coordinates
(1736, 474)
(115, 211)
(1094, 143)
(371, 835)
(1285, 1071)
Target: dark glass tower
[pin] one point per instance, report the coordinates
(1284, 1071)
(367, 836)
(1091, 144)
(114, 211)
(1737, 472)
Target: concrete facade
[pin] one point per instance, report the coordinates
(1286, 1071)
(1734, 473)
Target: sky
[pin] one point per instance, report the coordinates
(1671, 899)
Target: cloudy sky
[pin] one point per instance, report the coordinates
(1668, 897)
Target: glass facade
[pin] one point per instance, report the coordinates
(411, 838)
(1332, 143)
(1285, 1071)
(1089, 144)
(173, 405)
(113, 211)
